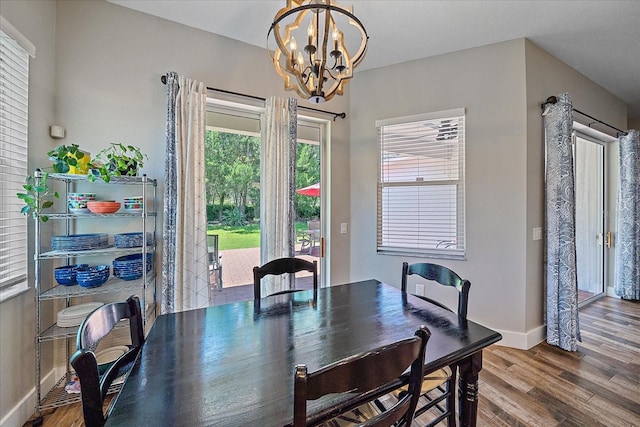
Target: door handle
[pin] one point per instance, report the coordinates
(322, 247)
(609, 241)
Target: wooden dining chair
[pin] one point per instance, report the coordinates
(93, 386)
(282, 266)
(438, 388)
(361, 376)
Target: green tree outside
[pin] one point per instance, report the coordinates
(232, 168)
(233, 183)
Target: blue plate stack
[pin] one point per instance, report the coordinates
(129, 240)
(79, 242)
(129, 267)
(66, 275)
(92, 277)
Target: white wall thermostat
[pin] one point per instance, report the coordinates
(56, 132)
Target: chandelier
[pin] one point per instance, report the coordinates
(318, 45)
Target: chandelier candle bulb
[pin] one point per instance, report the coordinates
(310, 32)
(293, 45)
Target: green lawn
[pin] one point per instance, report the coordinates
(242, 237)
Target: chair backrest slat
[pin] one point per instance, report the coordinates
(94, 328)
(103, 320)
(364, 374)
(282, 266)
(443, 276)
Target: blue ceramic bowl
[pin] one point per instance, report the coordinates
(93, 277)
(66, 275)
(129, 267)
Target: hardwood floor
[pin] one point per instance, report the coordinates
(545, 386)
(596, 386)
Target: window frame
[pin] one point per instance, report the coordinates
(384, 184)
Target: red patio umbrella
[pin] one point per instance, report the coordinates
(313, 190)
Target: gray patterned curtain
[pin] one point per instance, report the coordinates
(627, 276)
(185, 276)
(170, 193)
(560, 250)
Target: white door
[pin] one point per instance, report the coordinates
(589, 170)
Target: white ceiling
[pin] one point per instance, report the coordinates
(600, 39)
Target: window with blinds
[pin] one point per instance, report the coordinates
(14, 89)
(421, 185)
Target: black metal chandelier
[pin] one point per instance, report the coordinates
(335, 43)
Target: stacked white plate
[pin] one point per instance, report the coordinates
(111, 354)
(74, 315)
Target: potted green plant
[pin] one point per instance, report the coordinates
(37, 197)
(118, 160)
(69, 159)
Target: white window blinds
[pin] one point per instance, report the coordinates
(14, 90)
(421, 185)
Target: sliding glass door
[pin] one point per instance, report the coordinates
(232, 155)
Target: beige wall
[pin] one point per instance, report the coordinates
(36, 21)
(488, 82)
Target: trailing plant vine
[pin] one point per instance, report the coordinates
(65, 156)
(37, 197)
(117, 160)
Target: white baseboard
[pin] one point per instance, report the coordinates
(611, 292)
(19, 414)
(522, 341)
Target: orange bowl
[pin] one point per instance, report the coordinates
(103, 207)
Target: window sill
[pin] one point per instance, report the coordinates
(460, 256)
(13, 292)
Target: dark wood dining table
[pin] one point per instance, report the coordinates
(233, 364)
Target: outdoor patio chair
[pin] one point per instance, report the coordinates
(215, 264)
(305, 241)
(310, 237)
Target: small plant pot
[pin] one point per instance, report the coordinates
(131, 170)
(83, 164)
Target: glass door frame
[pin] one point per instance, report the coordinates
(256, 110)
(324, 127)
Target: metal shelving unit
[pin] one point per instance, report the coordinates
(62, 223)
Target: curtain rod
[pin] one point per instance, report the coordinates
(553, 100)
(163, 79)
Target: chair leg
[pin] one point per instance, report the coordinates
(451, 399)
